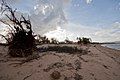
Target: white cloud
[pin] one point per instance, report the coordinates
(60, 34)
(72, 31)
(3, 31)
(47, 15)
(116, 25)
(11, 1)
(88, 1)
(109, 34)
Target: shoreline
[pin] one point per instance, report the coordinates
(107, 45)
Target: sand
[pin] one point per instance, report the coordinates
(101, 63)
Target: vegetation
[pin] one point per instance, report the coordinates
(45, 40)
(21, 40)
(62, 49)
(83, 40)
(67, 41)
(79, 40)
(54, 41)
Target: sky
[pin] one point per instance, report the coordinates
(61, 19)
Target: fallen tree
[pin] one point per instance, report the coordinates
(21, 41)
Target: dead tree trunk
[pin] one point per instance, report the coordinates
(22, 41)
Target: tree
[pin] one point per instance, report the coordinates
(83, 40)
(86, 40)
(54, 41)
(22, 40)
(79, 40)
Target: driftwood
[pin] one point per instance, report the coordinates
(21, 41)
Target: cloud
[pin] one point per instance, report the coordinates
(66, 1)
(116, 25)
(72, 31)
(88, 1)
(11, 1)
(60, 34)
(48, 17)
(3, 31)
(109, 34)
(45, 14)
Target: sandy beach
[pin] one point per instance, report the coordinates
(100, 63)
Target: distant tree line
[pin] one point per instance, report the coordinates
(45, 40)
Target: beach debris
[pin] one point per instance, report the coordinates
(105, 66)
(21, 40)
(55, 75)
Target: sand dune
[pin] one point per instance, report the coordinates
(100, 63)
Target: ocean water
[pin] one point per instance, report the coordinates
(113, 46)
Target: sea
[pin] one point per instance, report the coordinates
(113, 46)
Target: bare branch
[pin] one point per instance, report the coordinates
(5, 38)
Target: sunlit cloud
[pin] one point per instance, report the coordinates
(88, 1)
(72, 31)
(60, 34)
(47, 15)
